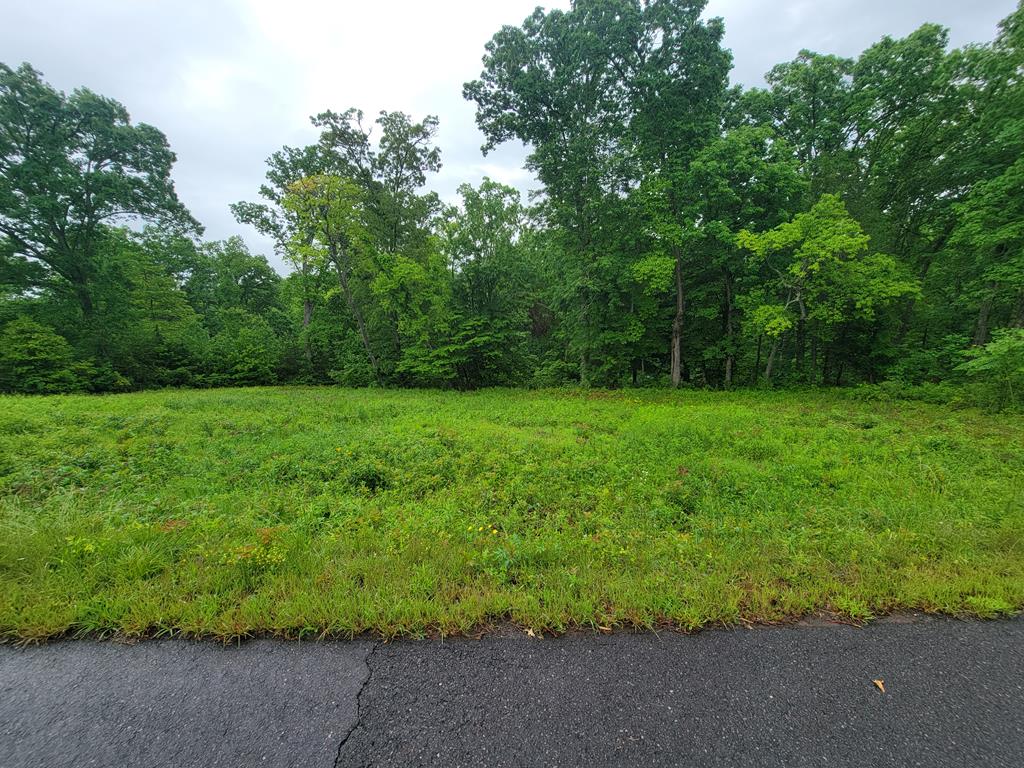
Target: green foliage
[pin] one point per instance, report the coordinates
(598, 95)
(824, 276)
(36, 361)
(932, 362)
(245, 351)
(654, 272)
(807, 100)
(895, 390)
(225, 275)
(884, 189)
(997, 369)
(772, 320)
(70, 166)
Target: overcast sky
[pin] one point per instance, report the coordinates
(230, 81)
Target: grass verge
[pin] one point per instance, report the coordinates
(321, 510)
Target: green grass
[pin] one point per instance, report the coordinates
(304, 511)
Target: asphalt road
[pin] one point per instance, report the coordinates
(954, 695)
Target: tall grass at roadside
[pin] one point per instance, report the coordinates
(306, 511)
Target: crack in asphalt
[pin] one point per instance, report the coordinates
(368, 662)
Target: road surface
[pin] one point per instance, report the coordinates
(793, 696)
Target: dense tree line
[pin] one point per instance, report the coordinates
(855, 220)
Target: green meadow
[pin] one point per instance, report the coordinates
(326, 511)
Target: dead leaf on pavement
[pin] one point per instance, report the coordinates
(879, 684)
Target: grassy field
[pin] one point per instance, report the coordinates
(305, 511)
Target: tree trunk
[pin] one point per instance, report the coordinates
(771, 360)
(84, 299)
(729, 354)
(585, 337)
(757, 361)
(801, 341)
(307, 317)
(814, 360)
(307, 309)
(981, 329)
(358, 315)
(677, 323)
(1018, 312)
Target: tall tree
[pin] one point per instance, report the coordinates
(330, 211)
(807, 101)
(284, 168)
(71, 165)
(606, 93)
(988, 237)
(675, 72)
(824, 275)
(550, 84)
(747, 179)
(490, 285)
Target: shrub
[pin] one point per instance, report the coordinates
(245, 351)
(996, 370)
(555, 373)
(893, 390)
(103, 378)
(929, 364)
(35, 360)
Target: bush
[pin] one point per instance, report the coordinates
(35, 360)
(100, 377)
(890, 391)
(996, 370)
(555, 373)
(245, 351)
(932, 363)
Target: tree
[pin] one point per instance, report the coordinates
(490, 284)
(331, 212)
(988, 237)
(675, 72)
(990, 230)
(151, 334)
(226, 275)
(550, 84)
(747, 179)
(395, 218)
(284, 168)
(823, 275)
(245, 351)
(807, 102)
(71, 165)
(606, 93)
(997, 369)
(400, 164)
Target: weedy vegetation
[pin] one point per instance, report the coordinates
(306, 511)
